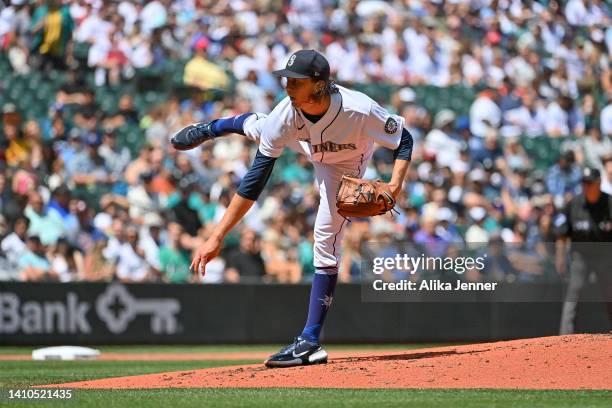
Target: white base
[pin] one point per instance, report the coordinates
(65, 353)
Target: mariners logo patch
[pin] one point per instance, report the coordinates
(291, 60)
(391, 126)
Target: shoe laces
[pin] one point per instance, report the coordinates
(198, 131)
(293, 345)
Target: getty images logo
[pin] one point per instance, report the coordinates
(116, 307)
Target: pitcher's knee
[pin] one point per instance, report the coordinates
(326, 254)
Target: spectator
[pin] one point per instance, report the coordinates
(245, 262)
(476, 235)
(18, 149)
(562, 119)
(142, 164)
(489, 152)
(126, 114)
(33, 139)
(14, 244)
(250, 90)
(498, 265)
(142, 199)
(201, 73)
(15, 20)
(86, 115)
(151, 239)
(589, 111)
(52, 28)
(66, 261)
(132, 265)
(74, 91)
(485, 115)
(174, 256)
(141, 55)
(116, 158)
(427, 236)
(184, 214)
(115, 64)
(33, 264)
(115, 242)
(46, 226)
(153, 15)
(528, 119)
(68, 150)
(157, 132)
(350, 266)
(96, 267)
(595, 148)
(59, 208)
(576, 13)
(25, 179)
(515, 156)
(440, 141)
(281, 261)
(564, 177)
(90, 169)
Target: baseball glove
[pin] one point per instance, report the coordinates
(363, 198)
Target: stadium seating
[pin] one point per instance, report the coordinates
(33, 95)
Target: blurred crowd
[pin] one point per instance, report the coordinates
(541, 70)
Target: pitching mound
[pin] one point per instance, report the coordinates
(563, 362)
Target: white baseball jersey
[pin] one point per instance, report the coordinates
(345, 133)
(339, 143)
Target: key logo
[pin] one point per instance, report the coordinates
(117, 308)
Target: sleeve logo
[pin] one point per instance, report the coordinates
(391, 126)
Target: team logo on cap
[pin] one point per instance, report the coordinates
(391, 126)
(291, 60)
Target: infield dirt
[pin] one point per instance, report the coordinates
(560, 362)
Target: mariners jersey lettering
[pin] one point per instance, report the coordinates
(346, 132)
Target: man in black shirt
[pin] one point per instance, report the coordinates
(587, 222)
(245, 262)
(183, 213)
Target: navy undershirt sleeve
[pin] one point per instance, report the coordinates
(404, 150)
(230, 125)
(256, 178)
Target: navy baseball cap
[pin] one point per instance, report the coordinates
(305, 64)
(590, 174)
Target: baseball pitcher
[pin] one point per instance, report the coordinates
(336, 128)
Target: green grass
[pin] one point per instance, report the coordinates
(331, 398)
(28, 373)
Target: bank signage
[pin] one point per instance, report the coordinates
(86, 309)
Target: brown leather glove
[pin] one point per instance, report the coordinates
(363, 198)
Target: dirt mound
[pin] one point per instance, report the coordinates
(562, 362)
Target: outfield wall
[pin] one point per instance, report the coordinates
(94, 313)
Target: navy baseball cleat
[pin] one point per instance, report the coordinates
(300, 352)
(192, 136)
